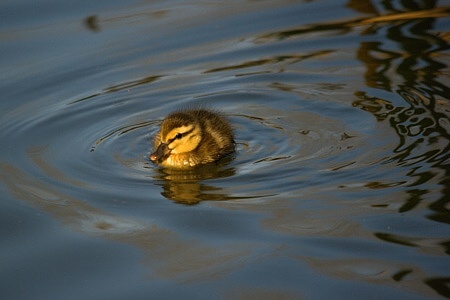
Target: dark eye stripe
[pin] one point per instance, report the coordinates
(180, 135)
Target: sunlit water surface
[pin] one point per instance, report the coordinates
(339, 188)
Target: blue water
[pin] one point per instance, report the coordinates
(339, 188)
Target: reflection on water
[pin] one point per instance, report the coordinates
(288, 59)
(121, 87)
(421, 119)
(91, 22)
(190, 186)
(341, 177)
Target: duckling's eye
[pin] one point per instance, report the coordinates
(178, 136)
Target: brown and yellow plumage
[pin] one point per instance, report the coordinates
(190, 138)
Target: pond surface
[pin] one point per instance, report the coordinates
(339, 188)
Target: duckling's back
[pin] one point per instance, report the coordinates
(217, 134)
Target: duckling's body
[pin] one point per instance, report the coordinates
(190, 138)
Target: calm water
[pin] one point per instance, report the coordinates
(340, 187)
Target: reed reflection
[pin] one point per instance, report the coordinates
(410, 67)
(404, 58)
(416, 50)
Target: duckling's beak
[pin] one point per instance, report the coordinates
(162, 151)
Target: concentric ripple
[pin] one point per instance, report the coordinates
(103, 143)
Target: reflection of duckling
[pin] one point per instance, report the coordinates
(192, 137)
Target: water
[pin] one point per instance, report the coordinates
(339, 188)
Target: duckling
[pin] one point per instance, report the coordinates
(190, 138)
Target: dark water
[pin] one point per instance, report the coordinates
(340, 187)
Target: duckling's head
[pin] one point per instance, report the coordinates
(180, 133)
